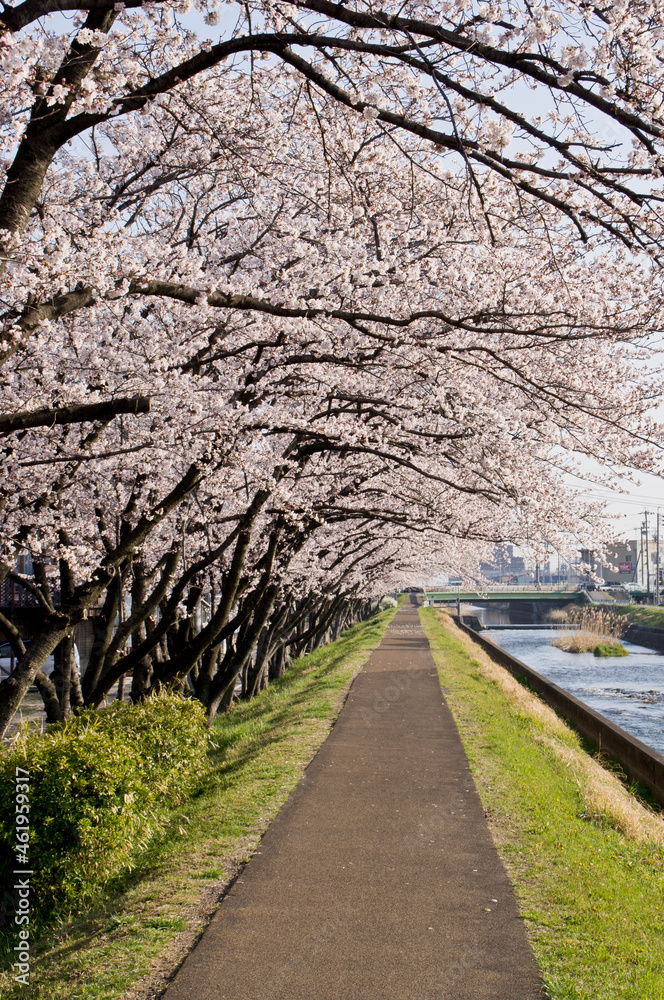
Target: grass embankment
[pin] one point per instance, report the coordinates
(641, 614)
(585, 857)
(129, 942)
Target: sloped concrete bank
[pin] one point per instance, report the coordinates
(646, 635)
(640, 761)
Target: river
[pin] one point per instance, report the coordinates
(627, 690)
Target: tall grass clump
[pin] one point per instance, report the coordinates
(599, 632)
(100, 786)
(599, 621)
(558, 615)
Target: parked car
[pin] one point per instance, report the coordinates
(6, 661)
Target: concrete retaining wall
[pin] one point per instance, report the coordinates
(640, 761)
(646, 635)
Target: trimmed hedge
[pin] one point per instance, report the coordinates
(100, 788)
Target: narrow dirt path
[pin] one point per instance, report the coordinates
(378, 879)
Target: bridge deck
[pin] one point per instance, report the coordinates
(502, 595)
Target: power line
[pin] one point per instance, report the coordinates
(630, 501)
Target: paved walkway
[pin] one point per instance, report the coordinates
(378, 879)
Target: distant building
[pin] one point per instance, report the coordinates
(505, 567)
(633, 562)
(625, 559)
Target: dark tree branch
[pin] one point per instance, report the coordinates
(16, 18)
(74, 414)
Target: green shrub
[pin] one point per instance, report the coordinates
(100, 788)
(610, 649)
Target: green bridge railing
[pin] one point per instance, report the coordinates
(503, 594)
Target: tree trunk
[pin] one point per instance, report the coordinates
(143, 669)
(75, 692)
(222, 701)
(52, 703)
(62, 671)
(13, 689)
(256, 672)
(279, 663)
(103, 625)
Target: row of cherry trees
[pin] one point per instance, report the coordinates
(300, 315)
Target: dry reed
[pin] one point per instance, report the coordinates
(598, 621)
(596, 626)
(584, 642)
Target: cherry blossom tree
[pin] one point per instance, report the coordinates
(294, 315)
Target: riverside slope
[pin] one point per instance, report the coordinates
(378, 879)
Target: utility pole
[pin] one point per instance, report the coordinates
(657, 587)
(635, 574)
(647, 559)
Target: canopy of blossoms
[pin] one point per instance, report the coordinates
(299, 315)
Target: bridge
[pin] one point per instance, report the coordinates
(516, 593)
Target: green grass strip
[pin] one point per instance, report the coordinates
(592, 900)
(641, 614)
(133, 938)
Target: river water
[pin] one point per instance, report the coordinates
(628, 690)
